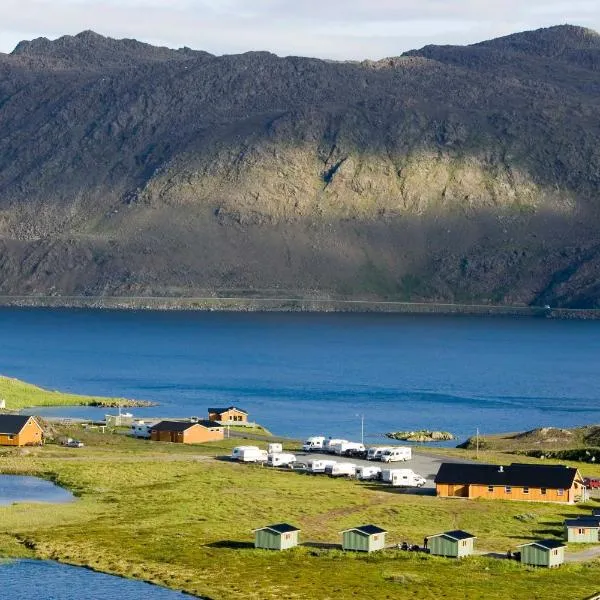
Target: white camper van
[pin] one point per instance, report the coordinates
(330, 445)
(375, 452)
(368, 473)
(402, 478)
(341, 469)
(397, 454)
(139, 429)
(313, 444)
(319, 465)
(280, 459)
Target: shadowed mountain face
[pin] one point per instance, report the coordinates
(447, 174)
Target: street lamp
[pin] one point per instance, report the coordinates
(362, 428)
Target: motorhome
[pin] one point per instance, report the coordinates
(375, 452)
(397, 454)
(367, 472)
(330, 444)
(402, 478)
(345, 447)
(139, 429)
(280, 459)
(341, 469)
(318, 465)
(274, 448)
(313, 444)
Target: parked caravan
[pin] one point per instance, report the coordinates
(330, 444)
(274, 448)
(397, 454)
(346, 447)
(313, 444)
(402, 478)
(375, 452)
(237, 451)
(253, 455)
(341, 469)
(319, 465)
(141, 430)
(280, 459)
(367, 472)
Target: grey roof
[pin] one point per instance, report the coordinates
(279, 528)
(12, 424)
(222, 410)
(547, 544)
(455, 534)
(516, 474)
(590, 522)
(367, 529)
(182, 425)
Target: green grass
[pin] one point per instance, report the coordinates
(19, 394)
(176, 516)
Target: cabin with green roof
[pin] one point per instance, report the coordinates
(543, 553)
(454, 544)
(366, 538)
(276, 537)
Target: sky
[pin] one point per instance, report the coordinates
(334, 29)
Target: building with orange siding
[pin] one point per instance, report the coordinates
(182, 432)
(20, 430)
(518, 481)
(230, 414)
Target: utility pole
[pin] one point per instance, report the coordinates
(362, 429)
(477, 444)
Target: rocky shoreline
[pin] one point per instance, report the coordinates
(423, 435)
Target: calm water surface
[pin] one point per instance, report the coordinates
(27, 579)
(301, 374)
(16, 488)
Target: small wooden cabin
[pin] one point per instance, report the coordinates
(583, 530)
(454, 544)
(366, 538)
(182, 432)
(518, 481)
(229, 414)
(20, 430)
(543, 553)
(276, 537)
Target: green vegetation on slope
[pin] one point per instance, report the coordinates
(174, 515)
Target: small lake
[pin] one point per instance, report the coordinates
(17, 488)
(26, 579)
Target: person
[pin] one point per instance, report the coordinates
(425, 543)
(508, 554)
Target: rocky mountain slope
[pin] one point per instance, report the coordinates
(461, 174)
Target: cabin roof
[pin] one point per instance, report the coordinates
(367, 529)
(516, 474)
(455, 534)
(590, 522)
(279, 528)
(546, 544)
(222, 410)
(183, 425)
(13, 424)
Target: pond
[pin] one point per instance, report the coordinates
(26, 579)
(17, 488)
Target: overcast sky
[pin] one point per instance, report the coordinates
(340, 29)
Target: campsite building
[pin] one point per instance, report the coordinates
(228, 415)
(583, 530)
(182, 432)
(455, 544)
(518, 481)
(543, 553)
(366, 538)
(276, 537)
(20, 430)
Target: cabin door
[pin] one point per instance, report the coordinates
(462, 491)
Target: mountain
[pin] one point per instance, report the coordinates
(447, 174)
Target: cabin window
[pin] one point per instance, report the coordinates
(581, 531)
(526, 490)
(508, 489)
(490, 488)
(560, 491)
(555, 552)
(287, 536)
(375, 538)
(543, 491)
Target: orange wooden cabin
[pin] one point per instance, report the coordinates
(230, 414)
(518, 481)
(181, 432)
(20, 430)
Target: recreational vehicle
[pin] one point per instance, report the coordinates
(345, 447)
(141, 430)
(375, 452)
(280, 459)
(313, 444)
(274, 448)
(319, 465)
(368, 472)
(397, 454)
(341, 469)
(330, 444)
(402, 478)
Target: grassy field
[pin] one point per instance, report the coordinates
(19, 395)
(178, 516)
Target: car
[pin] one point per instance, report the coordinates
(592, 483)
(71, 443)
(354, 453)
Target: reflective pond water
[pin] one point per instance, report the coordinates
(17, 488)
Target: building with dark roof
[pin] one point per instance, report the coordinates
(20, 430)
(281, 536)
(583, 530)
(543, 553)
(518, 481)
(185, 432)
(228, 415)
(366, 538)
(456, 543)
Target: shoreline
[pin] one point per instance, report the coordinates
(316, 304)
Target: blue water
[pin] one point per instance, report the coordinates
(46, 580)
(309, 374)
(17, 488)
